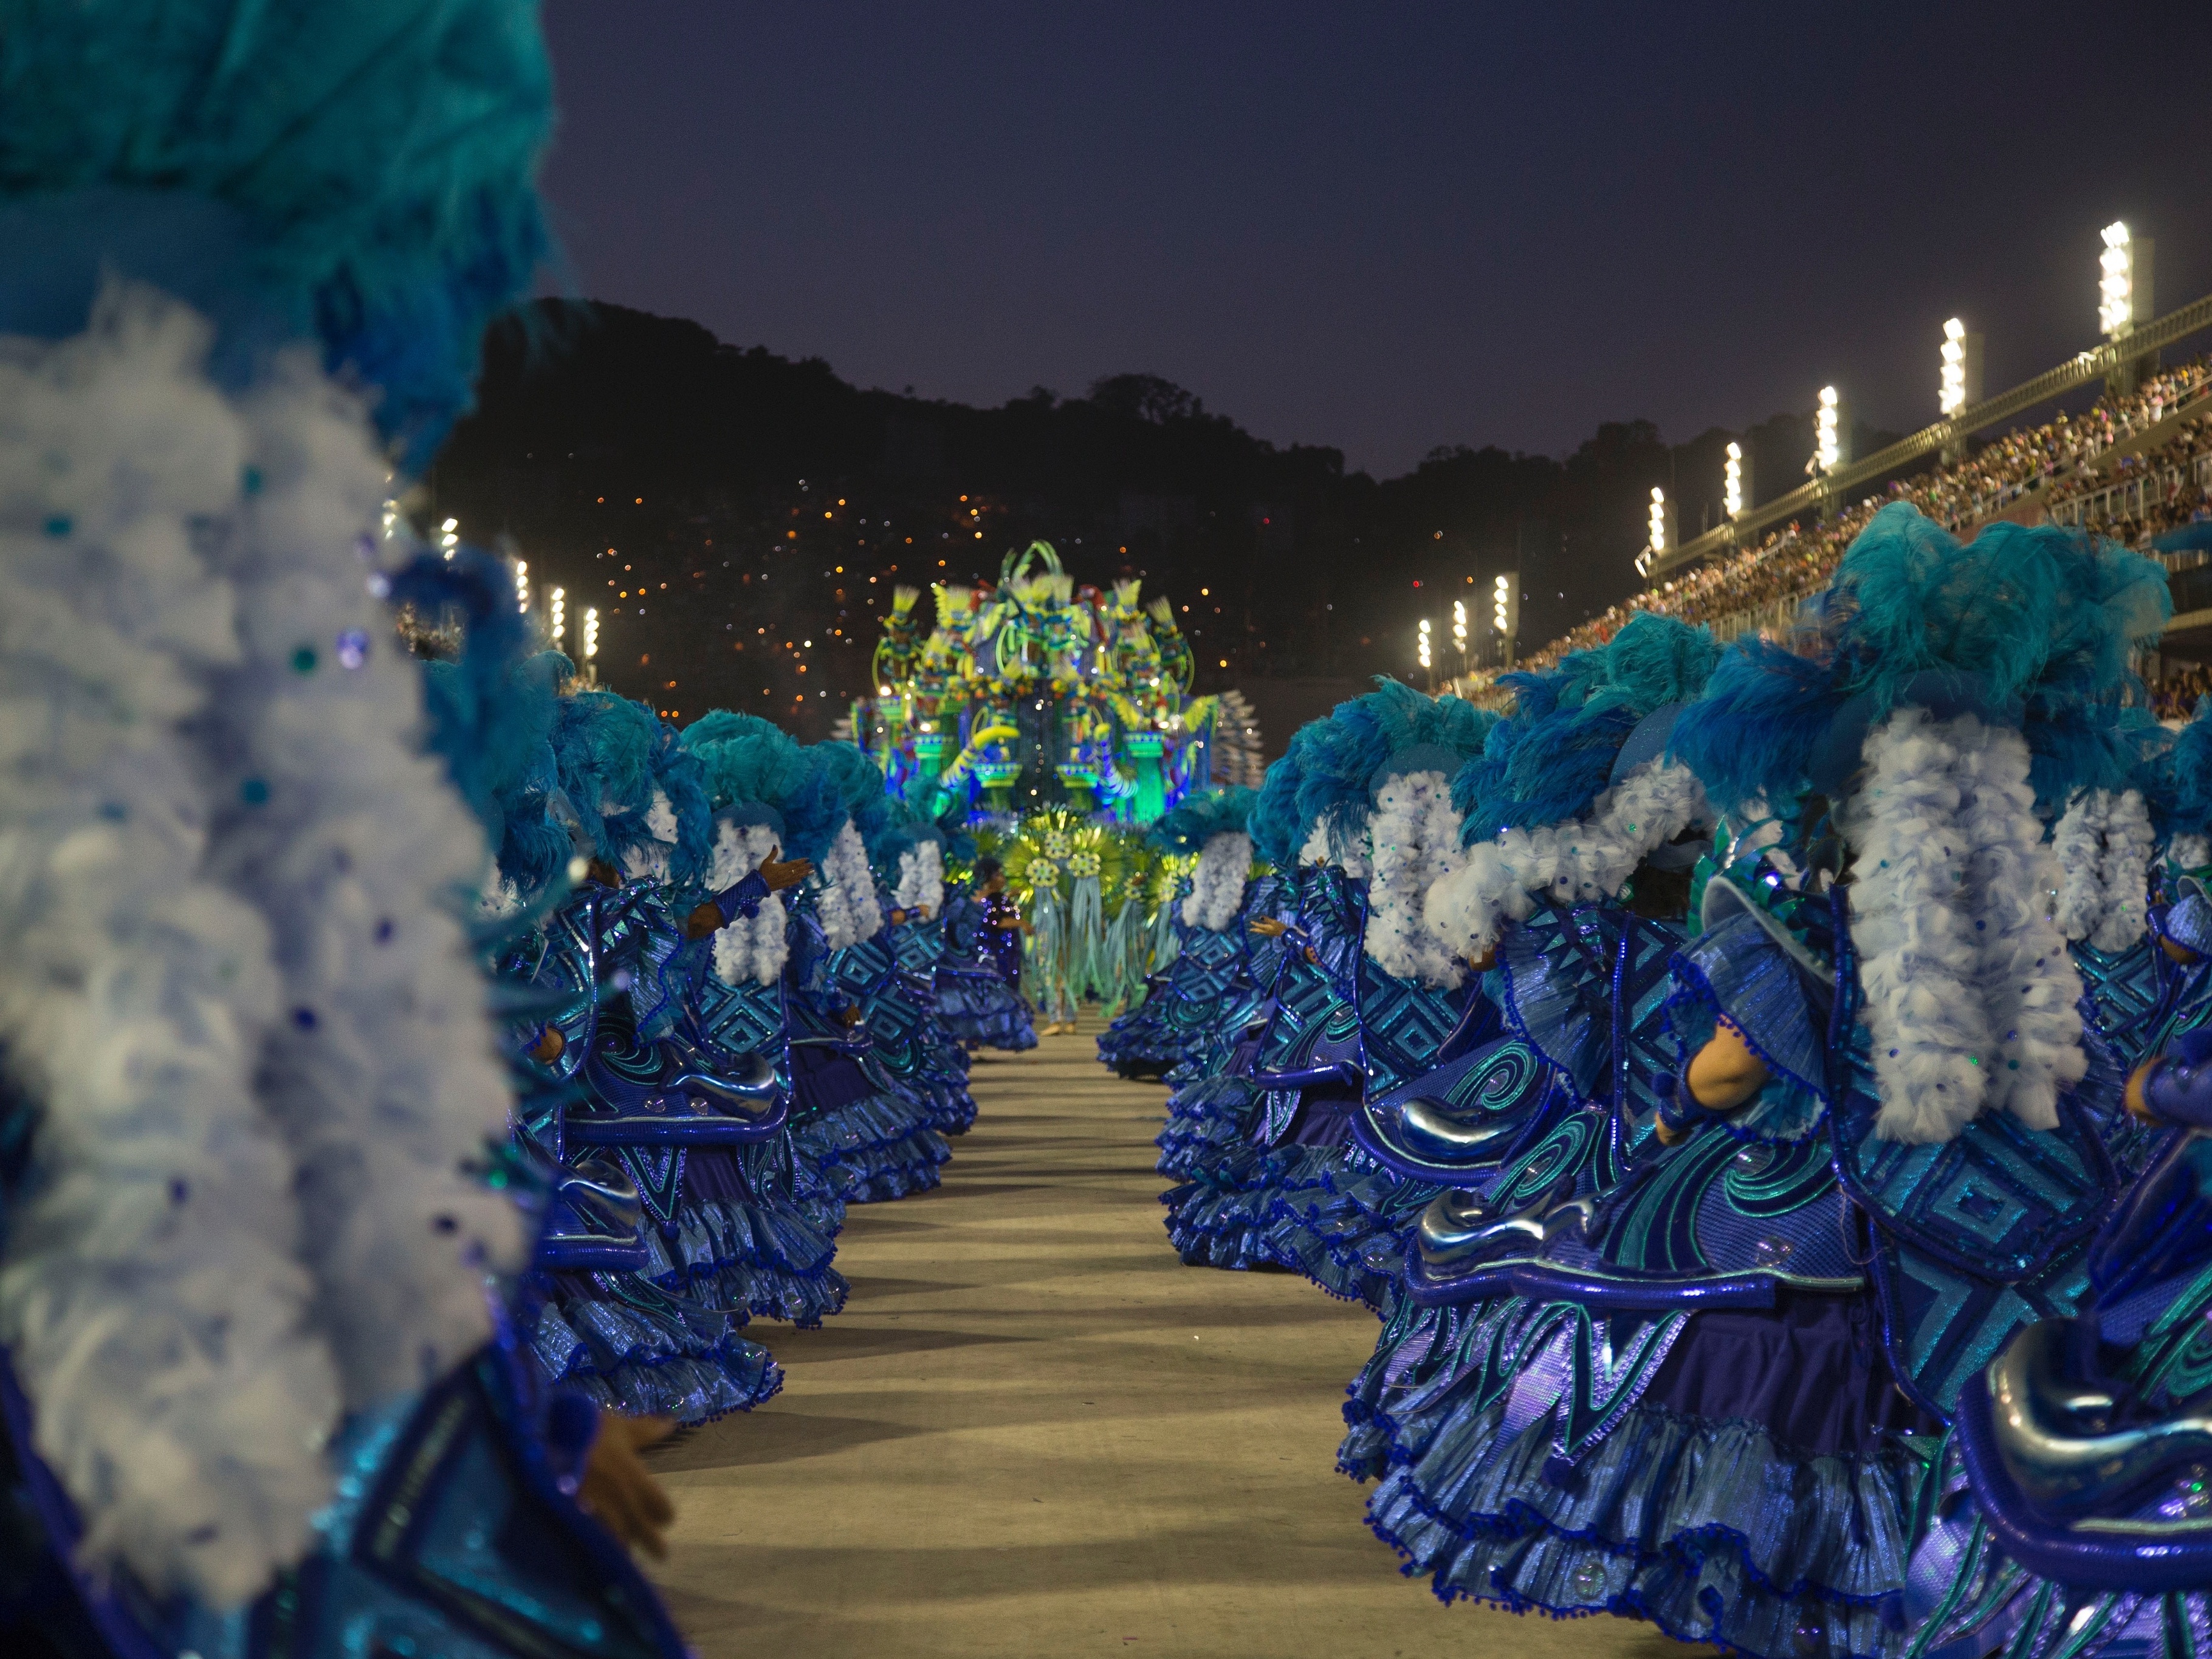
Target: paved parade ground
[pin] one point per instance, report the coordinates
(1034, 1431)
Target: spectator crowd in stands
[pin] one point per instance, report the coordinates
(1759, 587)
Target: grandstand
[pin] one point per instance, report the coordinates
(2136, 465)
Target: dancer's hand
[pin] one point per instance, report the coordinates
(779, 876)
(898, 918)
(1269, 927)
(619, 1491)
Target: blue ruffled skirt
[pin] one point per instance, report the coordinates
(756, 1233)
(872, 1143)
(1758, 1494)
(635, 1348)
(983, 1010)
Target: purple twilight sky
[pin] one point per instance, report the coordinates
(1387, 227)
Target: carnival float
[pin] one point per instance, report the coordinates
(1049, 725)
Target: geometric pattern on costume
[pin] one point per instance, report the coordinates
(1588, 988)
(1974, 1237)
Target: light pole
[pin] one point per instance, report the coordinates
(2124, 298)
(1827, 433)
(1958, 382)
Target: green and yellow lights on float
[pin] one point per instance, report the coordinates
(1032, 693)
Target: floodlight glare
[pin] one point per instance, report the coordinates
(522, 585)
(1732, 481)
(1459, 624)
(1951, 391)
(560, 622)
(1500, 592)
(1658, 519)
(591, 631)
(2116, 286)
(1425, 642)
(1827, 446)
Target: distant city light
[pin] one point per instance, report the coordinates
(1828, 434)
(1732, 481)
(1951, 392)
(2116, 286)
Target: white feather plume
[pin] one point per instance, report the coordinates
(846, 902)
(2104, 844)
(922, 879)
(1576, 862)
(648, 860)
(1970, 993)
(1217, 884)
(1415, 835)
(384, 1073)
(754, 948)
(152, 1295)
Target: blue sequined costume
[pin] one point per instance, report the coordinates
(979, 975)
(906, 1035)
(1182, 1006)
(871, 1138)
(2069, 1510)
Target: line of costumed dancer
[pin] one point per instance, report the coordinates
(416, 1074)
(1762, 1093)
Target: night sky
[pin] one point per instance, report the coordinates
(1387, 228)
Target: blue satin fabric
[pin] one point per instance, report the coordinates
(1737, 971)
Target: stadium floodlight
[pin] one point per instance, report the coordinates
(449, 536)
(1425, 642)
(2116, 286)
(1458, 625)
(522, 585)
(1732, 481)
(1500, 592)
(591, 632)
(1827, 431)
(559, 625)
(1658, 521)
(1951, 389)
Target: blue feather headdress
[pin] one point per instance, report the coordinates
(904, 827)
(491, 713)
(354, 172)
(607, 754)
(1329, 777)
(2031, 628)
(1202, 815)
(2187, 775)
(859, 782)
(1555, 755)
(749, 762)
